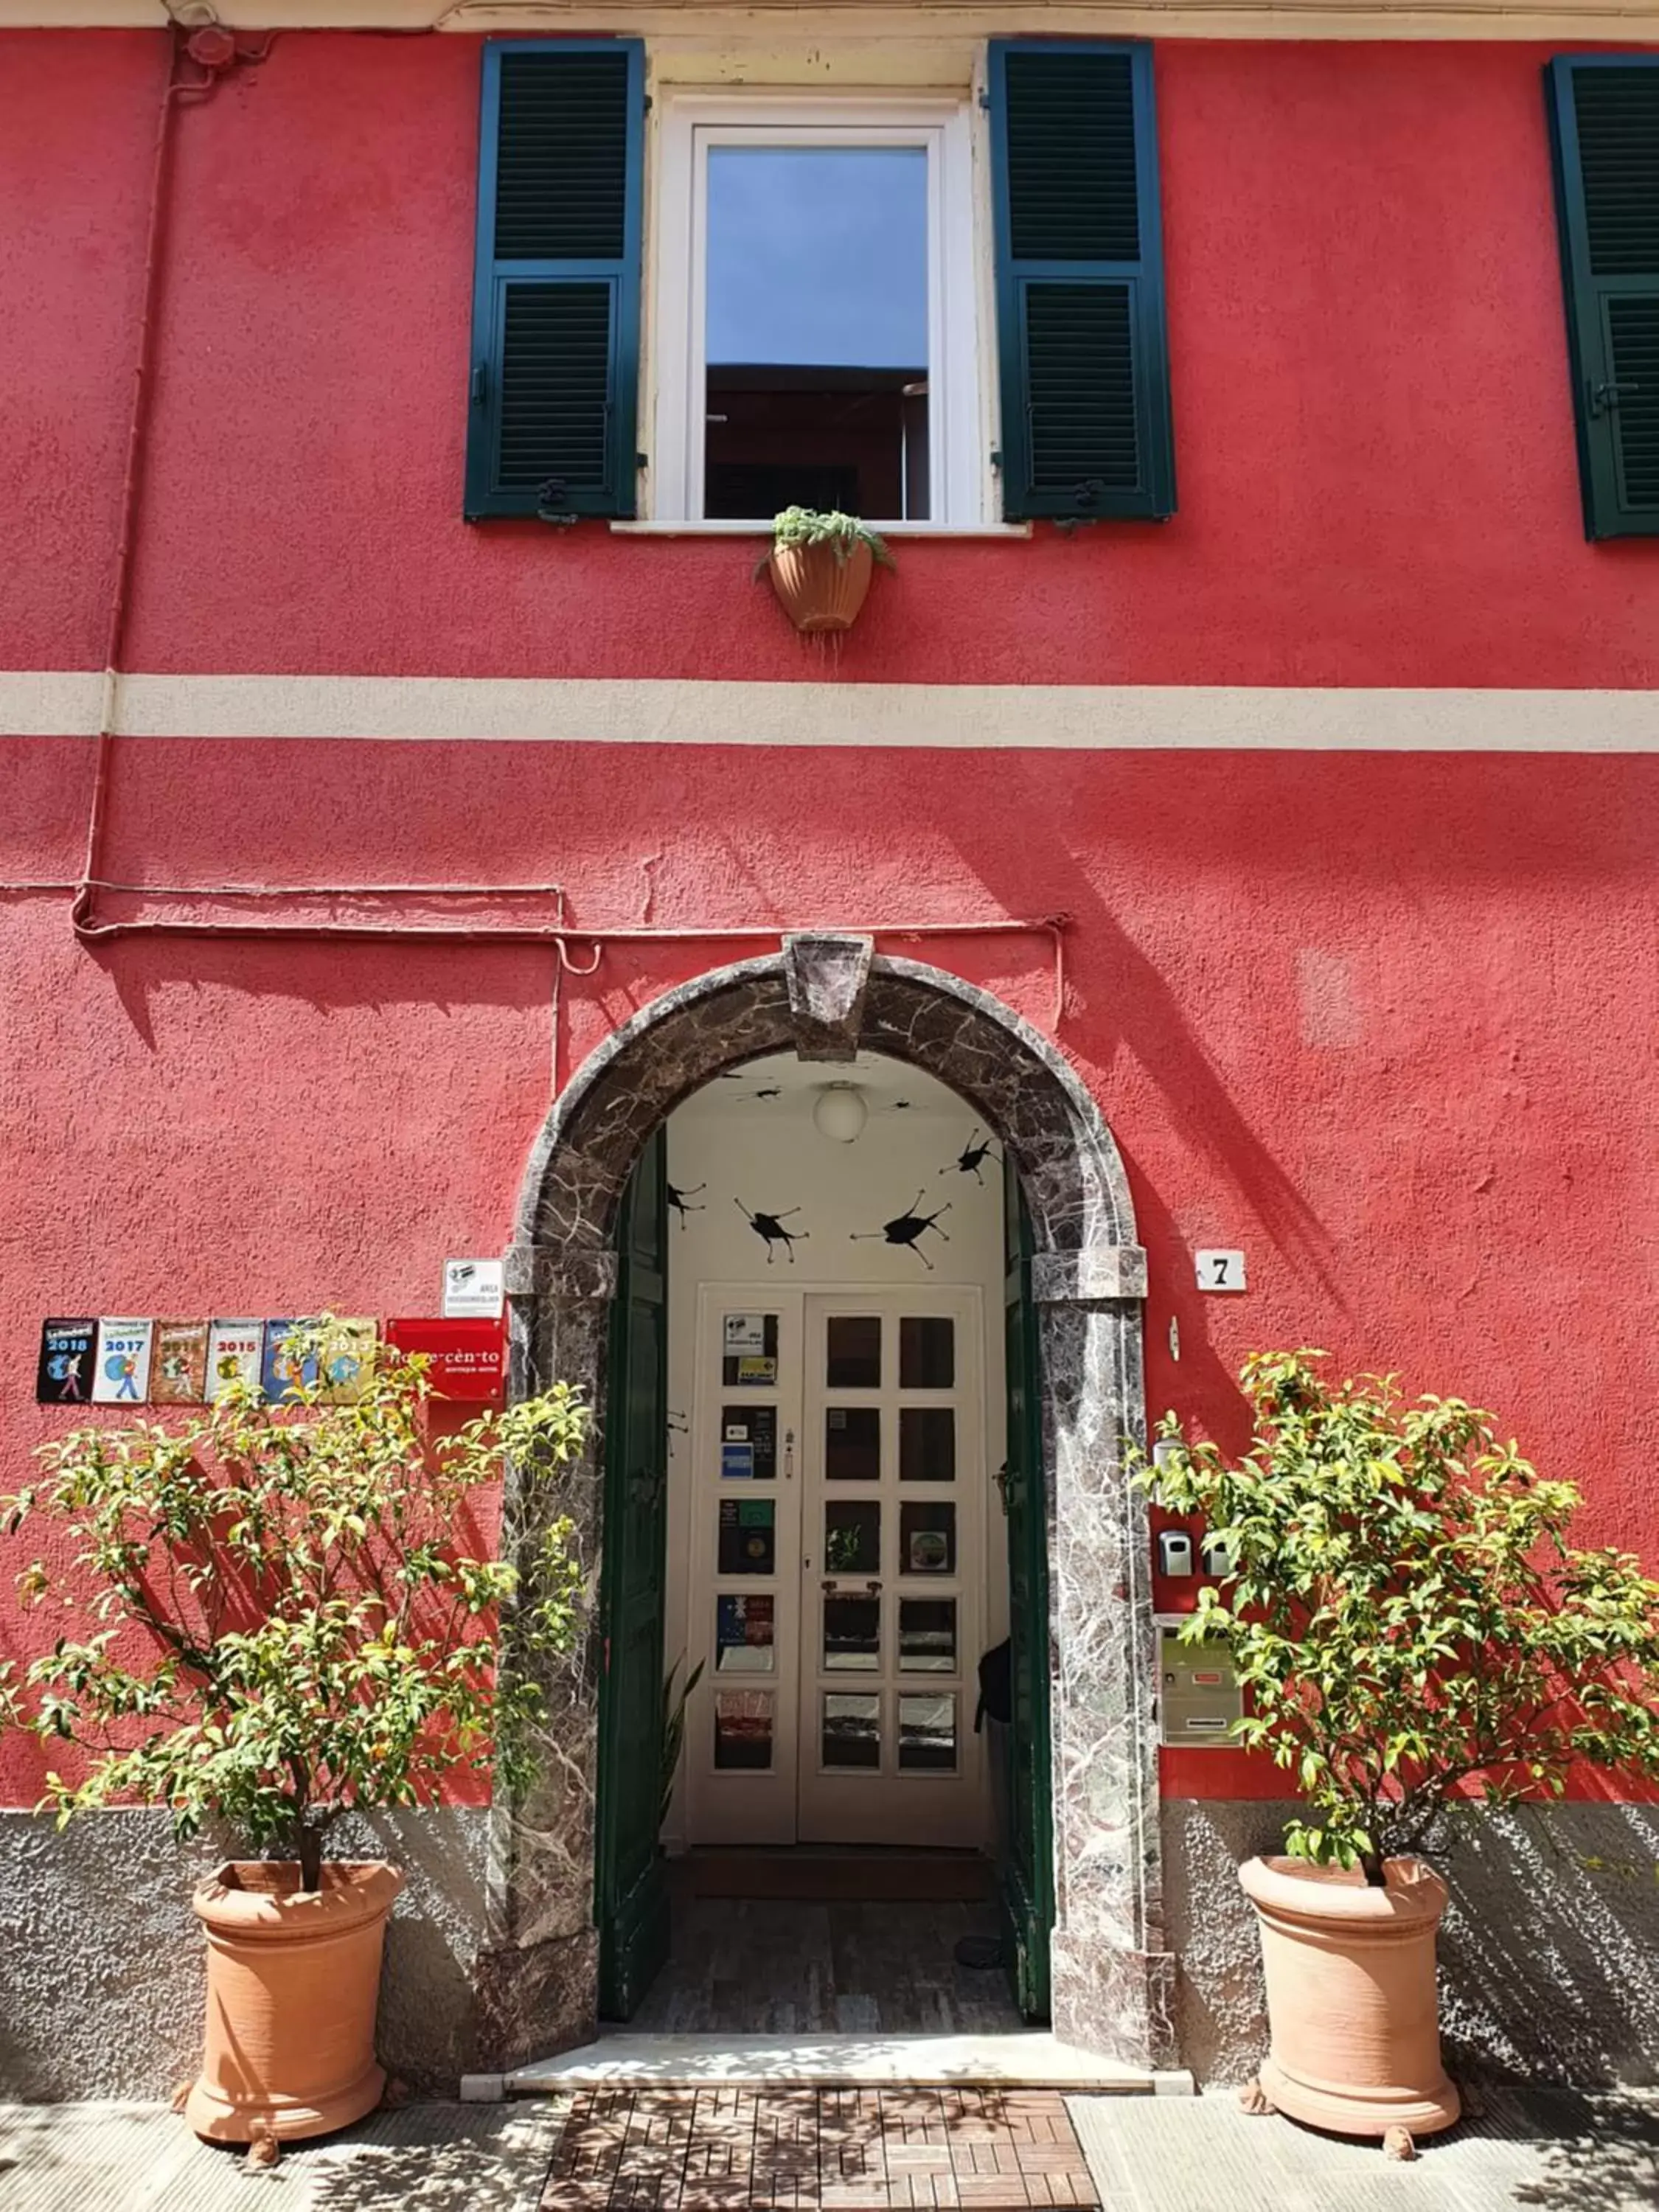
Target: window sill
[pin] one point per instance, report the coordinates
(764, 529)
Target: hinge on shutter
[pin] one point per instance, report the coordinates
(1604, 398)
(480, 382)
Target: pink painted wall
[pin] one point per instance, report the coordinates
(1374, 430)
(1385, 1021)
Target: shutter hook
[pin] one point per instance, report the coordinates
(1604, 399)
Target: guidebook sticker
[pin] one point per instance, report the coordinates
(178, 1367)
(121, 1373)
(234, 1352)
(64, 1375)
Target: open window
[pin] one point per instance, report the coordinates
(815, 339)
(818, 332)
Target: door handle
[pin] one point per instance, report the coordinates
(1003, 1478)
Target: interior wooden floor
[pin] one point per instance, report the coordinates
(839, 1966)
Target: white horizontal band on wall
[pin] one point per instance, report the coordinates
(1585, 20)
(1042, 717)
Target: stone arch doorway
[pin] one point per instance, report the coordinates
(824, 997)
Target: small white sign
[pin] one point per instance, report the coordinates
(1220, 1270)
(743, 1332)
(472, 1289)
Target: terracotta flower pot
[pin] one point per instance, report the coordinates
(819, 589)
(1350, 1996)
(293, 1980)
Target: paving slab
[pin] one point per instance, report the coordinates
(143, 2158)
(1548, 2150)
(791, 2149)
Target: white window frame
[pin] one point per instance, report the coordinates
(959, 476)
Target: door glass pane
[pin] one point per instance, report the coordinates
(928, 1539)
(749, 1443)
(851, 1634)
(853, 1350)
(927, 1352)
(927, 1733)
(852, 1730)
(742, 1635)
(852, 1444)
(748, 1542)
(851, 1537)
(927, 1443)
(749, 1351)
(927, 1635)
(742, 1728)
(815, 329)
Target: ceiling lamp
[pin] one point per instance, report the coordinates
(840, 1112)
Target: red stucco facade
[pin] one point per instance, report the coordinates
(1384, 1018)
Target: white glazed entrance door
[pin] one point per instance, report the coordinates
(744, 1574)
(892, 1546)
(836, 1584)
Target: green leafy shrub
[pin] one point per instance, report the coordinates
(805, 525)
(1409, 1621)
(273, 1616)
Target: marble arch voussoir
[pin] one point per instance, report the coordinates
(1113, 1977)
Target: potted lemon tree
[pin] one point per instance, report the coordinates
(1418, 1641)
(274, 1620)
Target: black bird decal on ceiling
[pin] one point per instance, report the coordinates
(769, 1228)
(906, 1228)
(971, 1157)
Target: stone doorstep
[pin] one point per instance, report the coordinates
(1034, 2061)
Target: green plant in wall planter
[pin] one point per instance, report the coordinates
(820, 565)
(674, 1703)
(1418, 1641)
(270, 1616)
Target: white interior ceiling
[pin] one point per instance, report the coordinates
(784, 1088)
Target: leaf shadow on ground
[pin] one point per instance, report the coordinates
(1597, 2150)
(440, 2158)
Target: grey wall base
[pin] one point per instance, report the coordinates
(1549, 1956)
(101, 1971)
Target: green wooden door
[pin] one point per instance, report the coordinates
(1028, 1871)
(630, 1899)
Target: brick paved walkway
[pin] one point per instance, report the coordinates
(816, 2150)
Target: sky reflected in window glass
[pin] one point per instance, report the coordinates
(818, 255)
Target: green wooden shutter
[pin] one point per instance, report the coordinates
(1027, 1873)
(1604, 132)
(1081, 341)
(630, 1895)
(556, 314)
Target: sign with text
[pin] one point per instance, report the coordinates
(468, 1358)
(472, 1289)
(64, 1375)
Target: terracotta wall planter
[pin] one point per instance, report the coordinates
(821, 591)
(1350, 1996)
(293, 1981)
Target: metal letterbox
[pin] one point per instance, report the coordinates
(1199, 1697)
